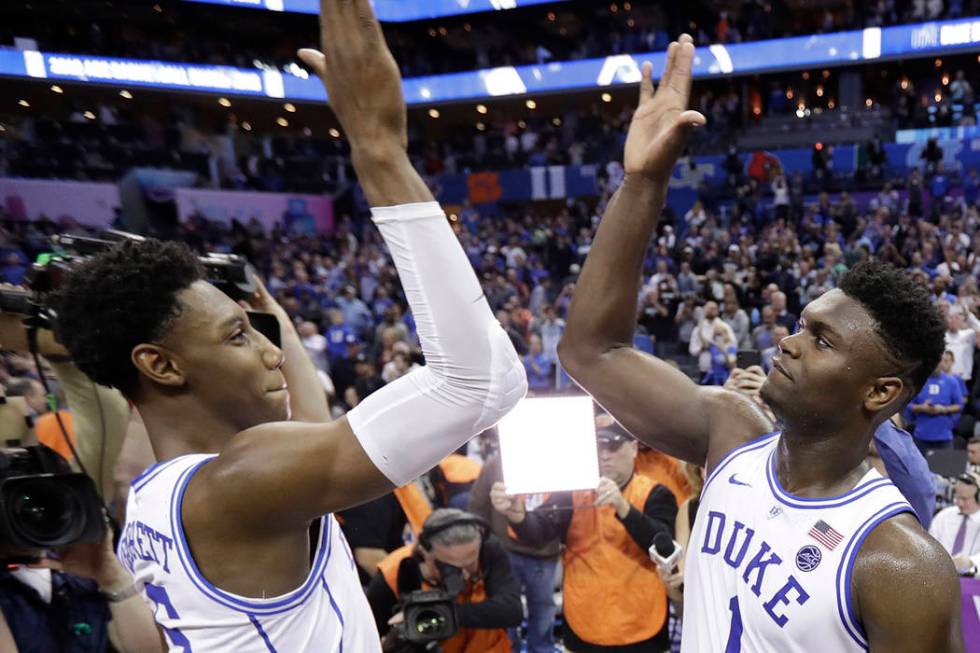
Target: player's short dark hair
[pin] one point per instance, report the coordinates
(910, 325)
(118, 299)
(974, 440)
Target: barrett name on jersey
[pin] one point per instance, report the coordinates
(328, 612)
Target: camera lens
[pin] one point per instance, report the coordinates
(44, 512)
(429, 622)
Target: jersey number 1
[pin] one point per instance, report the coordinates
(735, 634)
(160, 599)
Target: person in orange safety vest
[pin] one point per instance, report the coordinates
(613, 598)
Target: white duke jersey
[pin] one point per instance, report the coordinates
(767, 571)
(327, 613)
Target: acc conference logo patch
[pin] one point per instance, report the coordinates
(808, 558)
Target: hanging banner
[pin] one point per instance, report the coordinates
(299, 214)
(89, 203)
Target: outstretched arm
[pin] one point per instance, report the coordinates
(364, 89)
(656, 402)
(295, 472)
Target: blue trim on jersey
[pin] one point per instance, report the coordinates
(248, 605)
(265, 638)
(333, 604)
(819, 503)
(845, 604)
(751, 445)
(151, 473)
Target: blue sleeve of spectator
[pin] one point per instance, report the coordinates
(907, 469)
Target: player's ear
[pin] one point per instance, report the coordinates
(158, 364)
(883, 392)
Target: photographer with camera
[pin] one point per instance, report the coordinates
(61, 587)
(453, 590)
(62, 590)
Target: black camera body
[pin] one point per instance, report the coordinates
(43, 504)
(229, 273)
(430, 615)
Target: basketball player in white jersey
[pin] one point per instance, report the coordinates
(798, 544)
(231, 535)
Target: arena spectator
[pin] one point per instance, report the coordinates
(449, 483)
(733, 315)
(778, 333)
(315, 344)
(655, 316)
(961, 339)
(934, 409)
(534, 566)
(722, 351)
(958, 527)
(710, 328)
(538, 366)
(781, 314)
(762, 334)
(973, 454)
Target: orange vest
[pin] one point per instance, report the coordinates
(459, 469)
(612, 593)
(665, 470)
(415, 506)
(49, 433)
(467, 640)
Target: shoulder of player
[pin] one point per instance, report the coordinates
(899, 555)
(240, 482)
(734, 419)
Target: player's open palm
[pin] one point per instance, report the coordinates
(657, 133)
(361, 77)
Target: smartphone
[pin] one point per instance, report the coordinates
(746, 358)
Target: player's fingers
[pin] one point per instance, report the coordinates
(314, 60)
(680, 74)
(691, 118)
(646, 83)
(669, 64)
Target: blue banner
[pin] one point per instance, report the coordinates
(395, 11)
(561, 182)
(717, 60)
(939, 133)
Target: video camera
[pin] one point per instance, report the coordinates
(430, 615)
(44, 505)
(230, 273)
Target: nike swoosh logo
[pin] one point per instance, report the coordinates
(735, 481)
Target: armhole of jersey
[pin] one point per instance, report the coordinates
(151, 473)
(252, 606)
(845, 599)
(754, 443)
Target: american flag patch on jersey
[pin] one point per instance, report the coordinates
(825, 534)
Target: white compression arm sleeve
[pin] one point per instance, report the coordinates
(472, 377)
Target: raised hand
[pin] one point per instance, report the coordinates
(361, 77)
(608, 494)
(364, 88)
(659, 127)
(510, 506)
